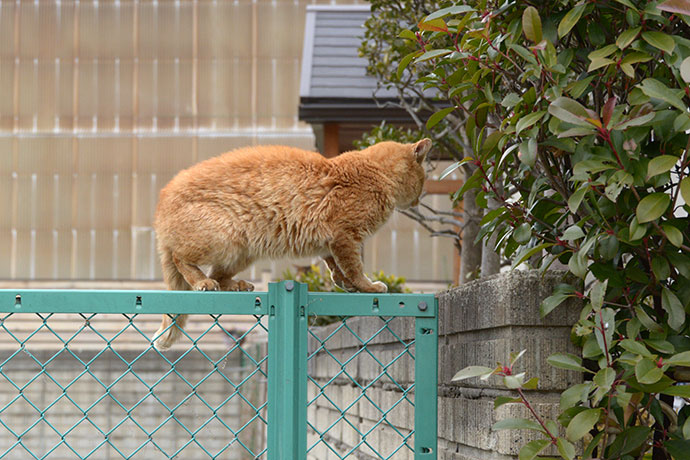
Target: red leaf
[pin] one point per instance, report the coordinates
(676, 6)
(607, 111)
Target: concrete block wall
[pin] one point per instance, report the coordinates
(480, 323)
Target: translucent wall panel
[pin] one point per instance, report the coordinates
(226, 29)
(103, 102)
(106, 29)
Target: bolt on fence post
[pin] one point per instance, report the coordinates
(287, 371)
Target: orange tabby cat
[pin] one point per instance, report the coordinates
(273, 202)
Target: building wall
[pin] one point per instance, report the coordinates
(102, 102)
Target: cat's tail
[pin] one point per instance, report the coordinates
(171, 325)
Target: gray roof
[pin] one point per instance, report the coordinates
(331, 67)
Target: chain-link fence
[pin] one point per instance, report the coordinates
(80, 377)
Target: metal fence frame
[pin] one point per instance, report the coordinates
(288, 306)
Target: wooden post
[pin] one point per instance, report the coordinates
(331, 140)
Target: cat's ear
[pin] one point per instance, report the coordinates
(421, 148)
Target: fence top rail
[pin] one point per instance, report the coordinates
(131, 302)
(227, 303)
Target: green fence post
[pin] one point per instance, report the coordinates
(287, 371)
(426, 384)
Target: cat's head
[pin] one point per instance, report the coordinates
(405, 161)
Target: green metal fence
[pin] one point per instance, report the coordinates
(80, 378)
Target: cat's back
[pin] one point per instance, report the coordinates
(250, 171)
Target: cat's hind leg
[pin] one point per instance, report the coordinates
(194, 276)
(224, 276)
(345, 251)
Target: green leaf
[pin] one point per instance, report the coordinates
(597, 294)
(570, 111)
(646, 320)
(627, 441)
(598, 63)
(602, 52)
(531, 384)
(636, 231)
(404, 62)
(532, 449)
(604, 378)
(456, 9)
(523, 233)
(627, 3)
(528, 152)
(628, 69)
(576, 198)
(677, 448)
(685, 189)
(674, 235)
(438, 116)
(660, 40)
(572, 233)
(575, 394)
(674, 308)
(513, 382)
(511, 100)
(685, 69)
(647, 372)
(523, 52)
(686, 428)
(560, 294)
(471, 371)
(652, 207)
(662, 346)
(661, 164)
(528, 120)
(576, 89)
(565, 448)
(578, 264)
(655, 89)
(408, 34)
(517, 424)
(627, 37)
(566, 361)
(635, 347)
(570, 19)
(635, 57)
(682, 391)
(501, 400)
(531, 24)
(529, 253)
(576, 132)
(581, 424)
(432, 54)
(679, 359)
(638, 116)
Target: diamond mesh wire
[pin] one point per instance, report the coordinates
(92, 386)
(360, 389)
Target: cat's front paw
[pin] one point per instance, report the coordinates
(207, 285)
(244, 286)
(378, 286)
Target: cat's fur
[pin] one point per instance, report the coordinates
(273, 202)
